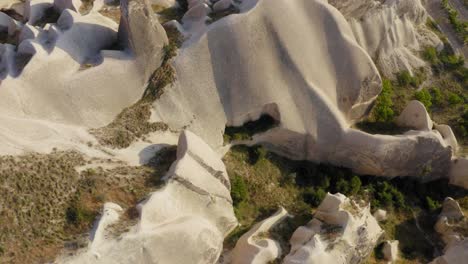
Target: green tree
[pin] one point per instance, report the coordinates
(383, 111)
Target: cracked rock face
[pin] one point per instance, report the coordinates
(183, 222)
(341, 232)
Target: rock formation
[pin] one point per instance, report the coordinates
(452, 226)
(314, 109)
(49, 78)
(390, 251)
(415, 116)
(254, 247)
(183, 222)
(380, 215)
(392, 32)
(341, 232)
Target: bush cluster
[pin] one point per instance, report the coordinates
(383, 111)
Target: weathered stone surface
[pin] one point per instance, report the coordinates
(392, 32)
(449, 225)
(390, 251)
(314, 109)
(341, 232)
(448, 136)
(221, 5)
(253, 247)
(183, 222)
(141, 32)
(380, 215)
(459, 172)
(451, 209)
(415, 116)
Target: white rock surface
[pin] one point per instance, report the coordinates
(390, 251)
(254, 247)
(314, 108)
(341, 232)
(415, 116)
(450, 220)
(184, 222)
(380, 215)
(71, 78)
(448, 136)
(392, 32)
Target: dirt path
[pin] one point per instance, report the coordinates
(435, 10)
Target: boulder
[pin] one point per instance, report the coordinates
(254, 247)
(415, 116)
(380, 215)
(221, 5)
(141, 32)
(448, 136)
(341, 232)
(459, 172)
(450, 226)
(451, 209)
(390, 251)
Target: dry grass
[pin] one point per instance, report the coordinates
(46, 204)
(132, 123)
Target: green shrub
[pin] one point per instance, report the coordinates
(239, 191)
(383, 111)
(431, 204)
(430, 54)
(454, 98)
(452, 62)
(424, 97)
(342, 186)
(77, 215)
(387, 195)
(437, 96)
(404, 78)
(314, 196)
(355, 185)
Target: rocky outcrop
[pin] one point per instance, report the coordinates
(452, 226)
(140, 31)
(254, 247)
(341, 232)
(380, 215)
(49, 77)
(390, 251)
(392, 32)
(459, 172)
(314, 109)
(415, 116)
(184, 222)
(449, 137)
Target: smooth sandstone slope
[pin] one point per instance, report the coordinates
(183, 222)
(299, 62)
